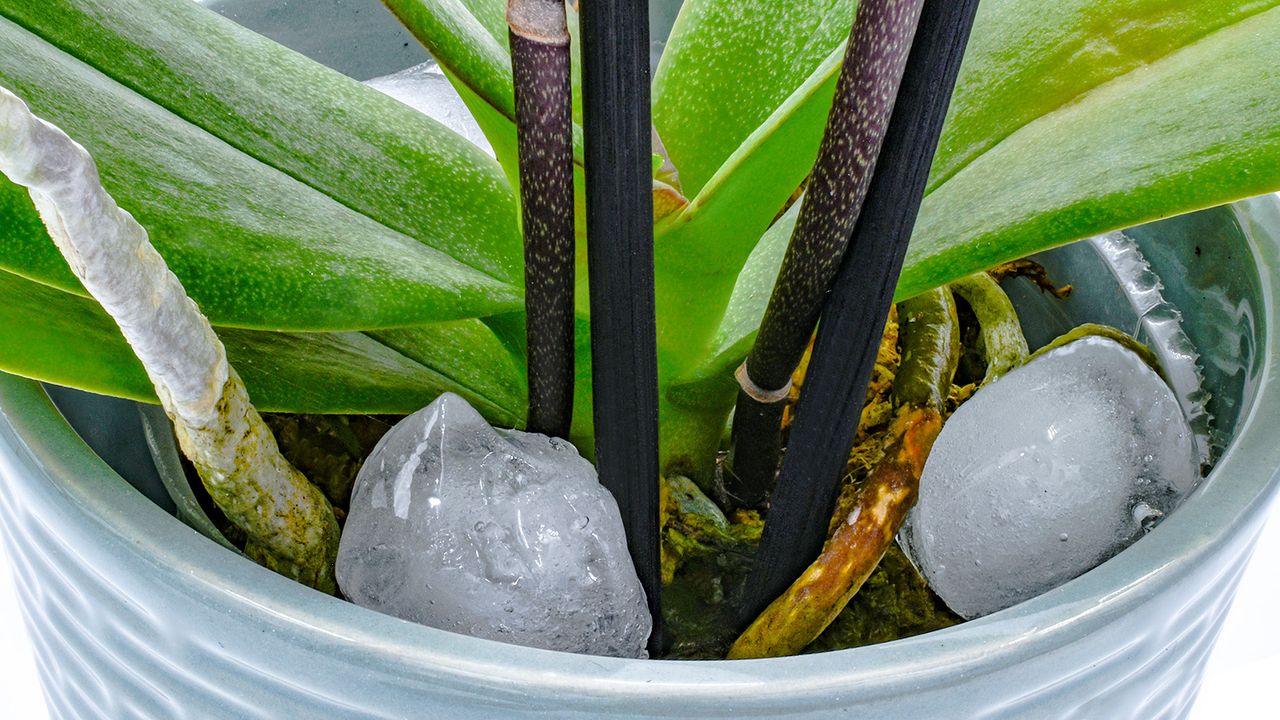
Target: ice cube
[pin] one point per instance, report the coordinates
(425, 89)
(1047, 473)
(498, 534)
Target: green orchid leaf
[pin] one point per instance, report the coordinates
(1189, 130)
(397, 373)
(1022, 61)
(737, 331)
(472, 356)
(498, 129)
(1027, 59)
(575, 60)
(706, 244)
(1118, 156)
(728, 65)
(291, 113)
(254, 245)
(65, 339)
(316, 125)
(470, 41)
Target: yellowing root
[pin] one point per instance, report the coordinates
(814, 600)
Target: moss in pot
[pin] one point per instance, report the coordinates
(388, 335)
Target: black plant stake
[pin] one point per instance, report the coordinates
(853, 322)
(615, 93)
(865, 92)
(544, 119)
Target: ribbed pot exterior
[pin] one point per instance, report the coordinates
(122, 633)
(134, 615)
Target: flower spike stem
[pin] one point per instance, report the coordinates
(544, 122)
(853, 322)
(865, 93)
(290, 524)
(619, 164)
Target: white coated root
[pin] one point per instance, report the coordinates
(290, 523)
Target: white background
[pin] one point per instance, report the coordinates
(1239, 683)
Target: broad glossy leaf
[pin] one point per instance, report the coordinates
(728, 65)
(61, 338)
(471, 356)
(706, 244)
(254, 247)
(1193, 129)
(711, 382)
(67, 340)
(1024, 60)
(1028, 58)
(328, 131)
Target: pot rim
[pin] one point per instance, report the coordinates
(111, 514)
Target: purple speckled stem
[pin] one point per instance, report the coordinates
(865, 93)
(544, 121)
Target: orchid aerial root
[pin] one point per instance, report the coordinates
(289, 523)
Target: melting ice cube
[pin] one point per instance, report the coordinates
(425, 89)
(1047, 473)
(498, 534)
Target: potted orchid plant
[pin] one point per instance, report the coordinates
(281, 256)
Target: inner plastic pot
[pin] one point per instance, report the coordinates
(135, 615)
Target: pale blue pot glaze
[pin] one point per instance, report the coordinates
(136, 616)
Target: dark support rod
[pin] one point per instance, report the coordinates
(617, 128)
(873, 65)
(853, 322)
(544, 121)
